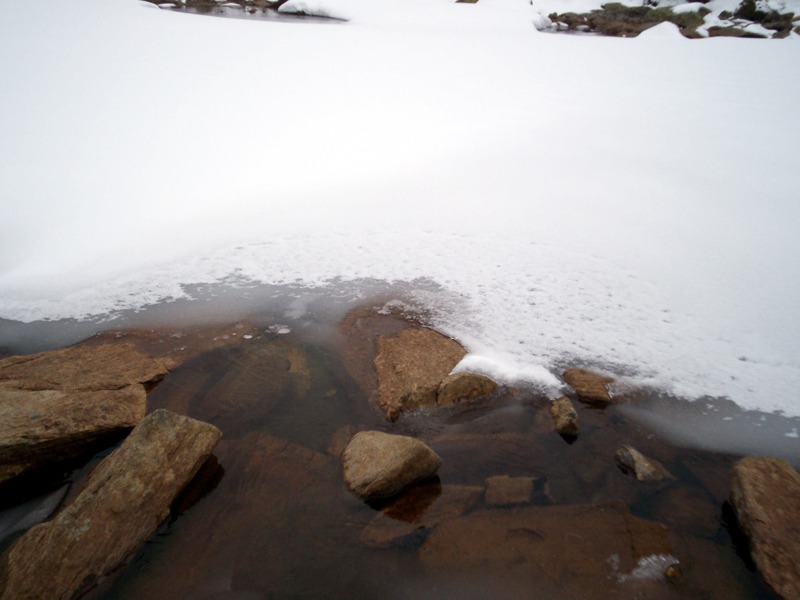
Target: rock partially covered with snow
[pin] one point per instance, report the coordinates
(411, 366)
(380, 465)
(125, 499)
(765, 493)
(464, 386)
(662, 31)
(590, 386)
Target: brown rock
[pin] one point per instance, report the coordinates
(633, 462)
(590, 387)
(565, 418)
(765, 493)
(502, 490)
(42, 426)
(393, 525)
(574, 551)
(464, 386)
(82, 367)
(410, 366)
(125, 499)
(379, 465)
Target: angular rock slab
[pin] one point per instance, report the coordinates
(410, 367)
(565, 417)
(765, 493)
(42, 426)
(590, 551)
(590, 386)
(632, 462)
(380, 465)
(83, 367)
(125, 499)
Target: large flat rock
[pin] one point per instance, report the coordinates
(125, 499)
(578, 551)
(765, 493)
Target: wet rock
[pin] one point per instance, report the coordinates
(577, 551)
(38, 427)
(565, 418)
(765, 493)
(415, 513)
(125, 499)
(464, 386)
(82, 367)
(688, 509)
(502, 490)
(379, 465)
(410, 367)
(590, 386)
(633, 462)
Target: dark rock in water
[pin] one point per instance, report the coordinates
(33, 512)
(565, 418)
(590, 386)
(397, 522)
(339, 440)
(633, 462)
(765, 493)
(410, 367)
(57, 405)
(502, 490)
(43, 426)
(379, 465)
(577, 551)
(464, 386)
(123, 502)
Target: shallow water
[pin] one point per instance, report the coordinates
(270, 517)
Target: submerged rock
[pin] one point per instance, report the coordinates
(633, 462)
(590, 386)
(565, 418)
(123, 502)
(464, 386)
(502, 490)
(765, 493)
(410, 367)
(577, 551)
(379, 465)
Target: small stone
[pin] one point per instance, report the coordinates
(464, 386)
(673, 573)
(502, 490)
(765, 493)
(590, 386)
(631, 461)
(380, 465)
(565, 418)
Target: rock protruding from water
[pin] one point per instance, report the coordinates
(458, 387)
(125, 499)
(765, 494)
(590, 386)
(410, 367)
(550, 552)
(633, 462)
(380, 465)
(57, 405)
(565, 417)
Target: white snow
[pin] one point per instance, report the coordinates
(628, 203)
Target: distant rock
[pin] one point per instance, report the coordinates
(410, 367)
(464, 386)
(123, 502)
(414, 513)
(590, 386)
(380, 465)
(565, 417)
(58, 405)
(765, 493)
(633, 462)
(574, 551)
(502, 490)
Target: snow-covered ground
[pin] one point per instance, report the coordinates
(628, 203)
